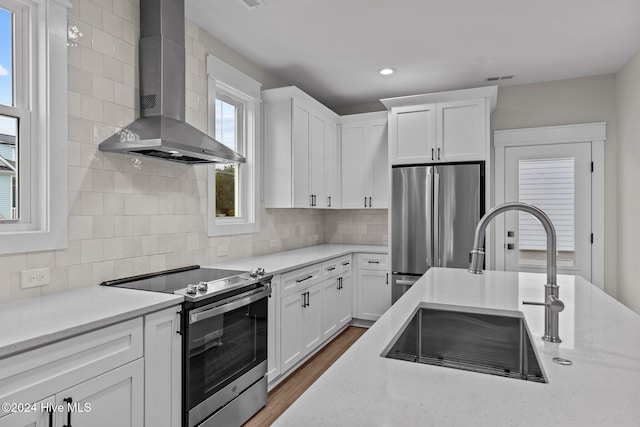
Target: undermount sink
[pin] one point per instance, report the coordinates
(494, 344)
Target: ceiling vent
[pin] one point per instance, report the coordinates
(251, 4)
(495, 79)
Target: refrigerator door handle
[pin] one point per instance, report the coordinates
(429, 201)
(436, 218)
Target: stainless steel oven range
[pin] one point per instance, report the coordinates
(224, 340)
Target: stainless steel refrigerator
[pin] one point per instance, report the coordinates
(434, 213)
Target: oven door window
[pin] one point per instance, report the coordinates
(225, 346)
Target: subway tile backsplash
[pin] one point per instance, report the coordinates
(131, 215)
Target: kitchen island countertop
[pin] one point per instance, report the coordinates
(600, 336)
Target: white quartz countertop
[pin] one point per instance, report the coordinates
(600, 336)
(281, 262)
(39, 321)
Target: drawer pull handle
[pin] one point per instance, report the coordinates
(331, 268)
(345, 263)
(373, 262)
(302, 280)
(68, 401)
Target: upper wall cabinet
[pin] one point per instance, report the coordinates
(300, 153)
(440, 127)
(364, 166)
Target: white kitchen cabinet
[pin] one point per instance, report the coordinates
(104, 368)
(273, 331)
(291, 331)
(364, 161)
(311, 318)
(300, 325)
(461, 130)
(37, 416)
(300, 153)
(412, 134)
(114, 398)
(440, 127)
(344, 303)
(373, 290)
(163, 368)
(330, 291)
(337, 295)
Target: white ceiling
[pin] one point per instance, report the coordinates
(332, 49)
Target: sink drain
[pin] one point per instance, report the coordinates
(561, 361)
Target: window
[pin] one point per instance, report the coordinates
(33, 125)
(234, 112)
(229, 121)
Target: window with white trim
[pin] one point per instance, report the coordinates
(234, 113)
(33, 125)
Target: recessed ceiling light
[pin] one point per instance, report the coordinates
(387, 71)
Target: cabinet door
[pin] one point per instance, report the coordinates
(345, 295)
(353, 167)
(301, 138)
(290, 331)
(378, 163)
(461, 130)
(330, 171)
(412, 134)
(273, 336)
(114, 398)
(330, 307)
(374, 294)
(38, 416)
(312, 319)
(317, 161)
(163, 368)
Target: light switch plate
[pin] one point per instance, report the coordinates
(34, 278)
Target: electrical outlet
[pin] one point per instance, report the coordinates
(223, 250)
(34, 278)
(274, 243)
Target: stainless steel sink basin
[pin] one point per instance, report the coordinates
(493, 344)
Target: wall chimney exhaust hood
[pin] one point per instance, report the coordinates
(161, 130)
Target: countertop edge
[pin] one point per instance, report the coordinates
(45, 339)
(306, 259)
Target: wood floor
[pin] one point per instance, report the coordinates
(285, 393)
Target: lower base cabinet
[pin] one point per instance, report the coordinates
(111, 399)
(125, 375)
(162, 368)
(374, 296)
(337, 294)
(300, 327)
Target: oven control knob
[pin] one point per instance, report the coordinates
(203, 286)
(253, 273)
(260, 271)
(192, 289)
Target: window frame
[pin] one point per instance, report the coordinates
(40, 104)
(240, 89)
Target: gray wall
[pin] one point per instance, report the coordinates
(564, 102)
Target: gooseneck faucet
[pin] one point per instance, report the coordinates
(552, 304)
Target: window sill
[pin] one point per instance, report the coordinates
(229, 227)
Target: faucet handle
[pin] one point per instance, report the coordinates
(554, 304)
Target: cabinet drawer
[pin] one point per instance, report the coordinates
(336, 266)
(300, 279)
(39, 373)
(372, 261)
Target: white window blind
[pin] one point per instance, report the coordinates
(550, 185)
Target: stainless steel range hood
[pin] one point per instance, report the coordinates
(161, 130)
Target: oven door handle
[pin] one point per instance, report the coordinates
(225, 308)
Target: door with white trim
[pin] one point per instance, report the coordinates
(557, 179)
